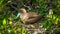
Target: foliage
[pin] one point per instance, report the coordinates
(49, 8)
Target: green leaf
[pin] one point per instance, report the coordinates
(1, 1)
(54, 17)
(56, 22)
(9, 1)
(23, 21)
(50, 11)
(10, 18)
(4, 21)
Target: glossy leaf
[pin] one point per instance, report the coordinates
(4, 21)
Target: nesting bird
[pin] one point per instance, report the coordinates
(29, 17)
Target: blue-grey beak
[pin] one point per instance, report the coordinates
(18, 15)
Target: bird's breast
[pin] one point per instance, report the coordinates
(24, 17)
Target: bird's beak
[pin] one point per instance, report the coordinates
(18, 15)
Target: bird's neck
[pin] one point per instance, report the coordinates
(24, 16)
(23, 13)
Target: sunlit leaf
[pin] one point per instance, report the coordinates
(0, 32)
(50, 11)
(54, 17)
(9, 31)
(10, 22)
(19, 29)
(23, 33)
(4, 21)
(56, 22)
(51, 16)
(23, 21)
(9, 1)
(59, 2)
(1, 1)
(10, 18)
(32, 26)
(23, 29)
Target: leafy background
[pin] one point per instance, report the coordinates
(49, 8)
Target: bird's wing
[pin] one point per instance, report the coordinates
(31, 15)
(33, 20)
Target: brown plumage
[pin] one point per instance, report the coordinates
(29, 17)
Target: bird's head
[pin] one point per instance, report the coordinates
(23, 11)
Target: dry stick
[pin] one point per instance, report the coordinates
(15, 8)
